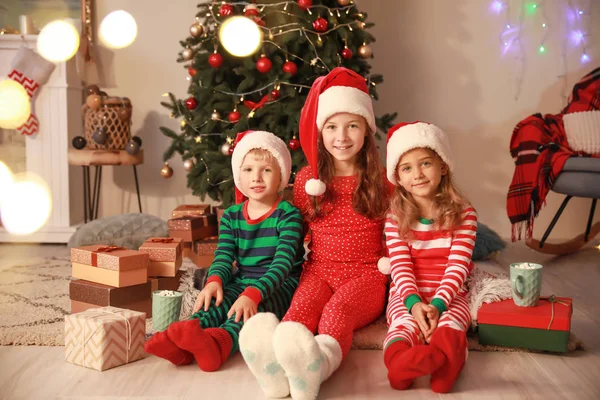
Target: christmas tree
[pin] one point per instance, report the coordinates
(301, 40)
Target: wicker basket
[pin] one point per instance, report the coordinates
(110, 117)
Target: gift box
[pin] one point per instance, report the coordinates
(162, 249)
(166, 283)
(109, 265)
(104, 338)
(164, 268)
(544, 327)
(195, 228)
(85, 295)
(191, 210)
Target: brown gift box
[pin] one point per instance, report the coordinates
(162, 249)
(110, 265)
(109, 257)
(206, 247)
(85, 295)
(193, 228)
(103, 338)
(164, 268)
(144, 306)
(191, 209)
(166, 283)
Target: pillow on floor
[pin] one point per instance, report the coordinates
(486, 242)
(126, 230)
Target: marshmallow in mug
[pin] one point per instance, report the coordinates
(167, 293)
(526, 266)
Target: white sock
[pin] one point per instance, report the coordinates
(256, 346)
(332, 355)
(306, 359)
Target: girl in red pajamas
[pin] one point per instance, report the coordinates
(430, 235)
(341, 195)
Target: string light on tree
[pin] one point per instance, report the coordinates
(240, 36)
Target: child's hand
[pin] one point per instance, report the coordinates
(213, 289)
(419, 312)
(433, 316)
(243, 306)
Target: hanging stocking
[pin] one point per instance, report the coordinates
(32, 71)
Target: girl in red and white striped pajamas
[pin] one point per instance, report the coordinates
(430, 235)
(342, 197)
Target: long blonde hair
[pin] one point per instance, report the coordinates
(448, 206)
(370, 197)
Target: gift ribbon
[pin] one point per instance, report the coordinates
(552, 299)
(106, 249)
(103, 311)
(162, 240)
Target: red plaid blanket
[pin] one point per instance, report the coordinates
(540, 149)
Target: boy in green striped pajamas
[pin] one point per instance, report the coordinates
(263, 235)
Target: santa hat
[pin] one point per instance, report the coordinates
(406, 136)
(582, 117)
(341, 91)
(249, 140)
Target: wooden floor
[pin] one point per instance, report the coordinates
(41, 373)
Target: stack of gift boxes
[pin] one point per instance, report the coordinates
(112, 296)
(197, 226)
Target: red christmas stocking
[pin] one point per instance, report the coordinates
(32, 71)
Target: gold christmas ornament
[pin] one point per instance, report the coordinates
(343, 3)
(166, 171)
(93, 101)
(188, 164)
(365, 51)
(360, 25)
(225, 149)
(196, 29)
(215, 116)
(187, 54)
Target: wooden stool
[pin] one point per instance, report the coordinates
(98, 159)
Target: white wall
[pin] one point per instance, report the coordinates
(441, 62)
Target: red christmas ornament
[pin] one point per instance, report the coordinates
(289, 67)
(215, 60)
(304, 4)
(264, 65)
(347, 53)
(320, 24)
(294, 144)
(234, 116)
(251, 10)
(191, 103)
(226, 10)
(230, 150)
(275, 93)
(192, 71)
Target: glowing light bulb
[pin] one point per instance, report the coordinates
(118, 29)
(58, 41)
(240, 36)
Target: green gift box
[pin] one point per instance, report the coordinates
(165, 309)
(546, 326)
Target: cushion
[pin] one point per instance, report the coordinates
(127, 230)
(486, 242)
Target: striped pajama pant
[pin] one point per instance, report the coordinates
(216, 317)
(403, 326)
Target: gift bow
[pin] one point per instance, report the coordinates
(106, 249)
(552, 299)
(162, 240)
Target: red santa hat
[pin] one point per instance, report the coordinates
(249, 140)
(582, 115)
(341, 91)
(406, 136)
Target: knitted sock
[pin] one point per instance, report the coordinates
(406, 364)
(453, 343)
(161, 346)
(210, 347)
(256, 346)
(299, 355)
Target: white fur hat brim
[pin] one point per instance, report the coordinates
(345, 99)
(413, 136)
(266, 141)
